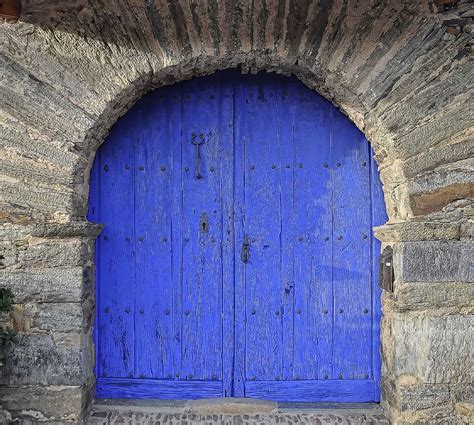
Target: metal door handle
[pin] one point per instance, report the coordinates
(197, 143)
(245, 250)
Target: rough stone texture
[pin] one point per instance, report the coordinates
(218, 413)
(434, 261)
(401, 70)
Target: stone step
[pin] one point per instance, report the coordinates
(231, 411)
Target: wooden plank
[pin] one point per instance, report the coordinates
(351, 252)
(262, 225)
(379, 217)
(202, 256)
(175, 138)
(160, 389)
(313, 226)
(312, 391)
(153, 227)
(226, 172)
(286, 149)
(240, 304)
(116, 279)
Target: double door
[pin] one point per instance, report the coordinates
(237, 257)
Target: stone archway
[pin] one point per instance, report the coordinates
(400, 71)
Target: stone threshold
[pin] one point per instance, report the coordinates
(231, 411)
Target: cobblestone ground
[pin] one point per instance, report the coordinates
(104, 416)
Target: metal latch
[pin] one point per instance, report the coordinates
(386, 274)
(245, 250)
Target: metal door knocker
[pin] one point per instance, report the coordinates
(197, 143)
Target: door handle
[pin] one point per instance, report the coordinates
(197, 143)
(245, 254)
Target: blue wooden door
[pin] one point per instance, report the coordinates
(237, 257)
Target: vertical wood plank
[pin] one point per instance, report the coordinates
(153, 238)
(175, 131)
(351, 251)
(262, 224)
(202, 255)
(226, 171)
(239, 230)
(116, 269)
(283, 88)
(313, 226)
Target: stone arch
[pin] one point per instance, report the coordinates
(400, 70)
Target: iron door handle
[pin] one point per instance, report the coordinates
(197, 143)
(245, 250)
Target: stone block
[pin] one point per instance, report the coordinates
(39, 403)
(422, 296)
(46, 253)
(60, 285)
(67, 317)
(434, 261)
(45, 360)
(431, 349)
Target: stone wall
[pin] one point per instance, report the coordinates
(401, 70)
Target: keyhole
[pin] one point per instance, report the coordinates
(204, 223)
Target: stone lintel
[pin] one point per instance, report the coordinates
(417, 231)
